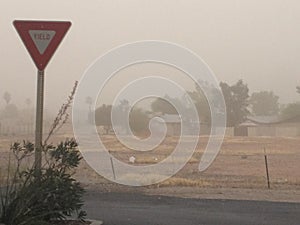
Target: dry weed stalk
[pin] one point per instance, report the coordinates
(62, 115)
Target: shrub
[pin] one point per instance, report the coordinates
(53, 194)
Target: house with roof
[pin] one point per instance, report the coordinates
(173, 124)
(270, 126)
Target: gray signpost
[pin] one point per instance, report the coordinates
(39, 119)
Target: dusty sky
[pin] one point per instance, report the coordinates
(254, 40)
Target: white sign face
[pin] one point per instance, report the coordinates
(42, 39)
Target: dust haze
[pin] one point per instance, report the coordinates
(256, 41)
(251, 46)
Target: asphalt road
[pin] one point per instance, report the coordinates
(137, 209)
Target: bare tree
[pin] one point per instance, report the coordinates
(7, 97)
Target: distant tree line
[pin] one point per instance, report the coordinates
(138, 118)
(12, 111)
(239, 105)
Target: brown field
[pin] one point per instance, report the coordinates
(238, 171)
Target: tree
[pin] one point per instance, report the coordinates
(138, 120)
(236, 100)
(199, 97)
(290, 111)
(7, 97)
(180, 106)
(163, 106)
(120, 111)
(264, 103)
(10, 111)
(103, 117)
(201, 105)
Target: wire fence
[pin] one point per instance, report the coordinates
(240, 164)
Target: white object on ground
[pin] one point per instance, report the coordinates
(132, 159)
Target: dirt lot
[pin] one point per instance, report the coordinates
(237, 173)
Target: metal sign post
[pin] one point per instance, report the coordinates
(41, 38)
(39, 120)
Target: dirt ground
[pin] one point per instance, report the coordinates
(237, 173)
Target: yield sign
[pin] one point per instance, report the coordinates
(41, 38)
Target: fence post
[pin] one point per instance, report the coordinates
(267, 168)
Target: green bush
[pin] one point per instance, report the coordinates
(31, 198)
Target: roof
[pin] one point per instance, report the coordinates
(263, 119)
(171, 118)
(294, 119)
(248, 123)
(273, 119)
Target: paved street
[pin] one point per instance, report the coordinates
(137, 209)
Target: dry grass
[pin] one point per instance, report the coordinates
(240, 162)
(184, 182)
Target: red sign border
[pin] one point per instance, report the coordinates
(23, 27)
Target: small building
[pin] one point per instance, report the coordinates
(173, 123)
(271, 126)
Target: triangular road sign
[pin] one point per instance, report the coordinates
(41, 38)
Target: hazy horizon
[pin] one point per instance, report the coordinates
(257, 41)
